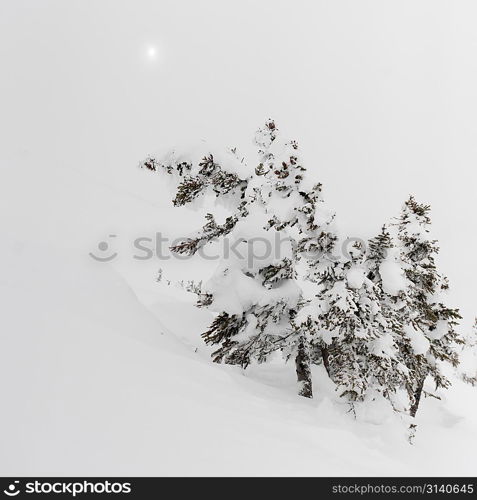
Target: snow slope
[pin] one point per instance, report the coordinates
(103, 372)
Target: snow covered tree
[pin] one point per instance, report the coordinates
(318, 258)
(349, 323)
(428, 322)
(377, 322)
(384, 269)
(297, 207)
(468, 368)
(255, 299)
(361, 355)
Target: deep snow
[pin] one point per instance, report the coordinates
(102, 371)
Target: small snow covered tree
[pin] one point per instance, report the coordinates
(428, 322)
(255, 299)
(362, 358)
(347, 320)
(384, 269)
(352, 330)
(468, 368)
(319, 264)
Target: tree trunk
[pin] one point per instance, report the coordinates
(326, 360)
(303, 372)
(417, 398)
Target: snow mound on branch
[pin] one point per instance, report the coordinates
(232, 162)
(419, 343)
(416, 228)
(383, 347)
(392, 275)
(442, 327)
(307, 311)
(283, 207)
(253, 248)
(355, 277)
(323, 216)
(234, 292)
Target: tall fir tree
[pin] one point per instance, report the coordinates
(255, 300)
(384, 268)
(429, 322)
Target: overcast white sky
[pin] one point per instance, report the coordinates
(380, 95)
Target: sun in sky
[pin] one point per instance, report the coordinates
(152, 52)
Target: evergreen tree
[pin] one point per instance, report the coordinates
(429, 323)
(363, 356)
(256, 301)
(469, 357)
(377, 322)
(384, 269)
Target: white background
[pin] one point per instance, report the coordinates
(380, 95)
